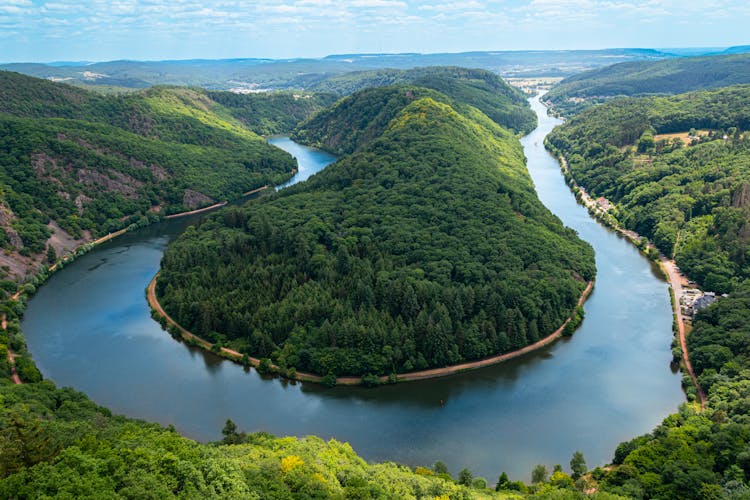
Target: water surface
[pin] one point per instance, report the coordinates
(89, 328)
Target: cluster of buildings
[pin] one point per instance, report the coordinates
(694, 300)
(604, 204)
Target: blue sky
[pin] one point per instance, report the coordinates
(98, 30)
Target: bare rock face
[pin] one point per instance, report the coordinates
(111, 181)
(158, 172)
(194, 199)
(741, 196)
(80, 201)
(62, 241)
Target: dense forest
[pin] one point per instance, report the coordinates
(57, 443)
(639, 78)
(75, 164)
(350, 123)
(354, 122)
(678, 169)
(424, 248)
(689, 194)
(480, 88)
(273, 113)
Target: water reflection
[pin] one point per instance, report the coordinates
(89, 327)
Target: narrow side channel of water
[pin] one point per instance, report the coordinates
(89, 328)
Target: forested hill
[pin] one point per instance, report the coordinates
(75, 165)
(426, 247)
(359, 119)
(272, 113)
(56, 443)
(480, 88)
(688, 192)
(638, 78)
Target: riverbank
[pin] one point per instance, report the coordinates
(11, 357)
(86, 247)
(217, 205)
(292, 374)
(666, 266)
(28, 288)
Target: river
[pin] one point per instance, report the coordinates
(89, 327)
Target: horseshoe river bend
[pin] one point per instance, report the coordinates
(89, 327)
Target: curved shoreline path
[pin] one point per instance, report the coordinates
(11, 357)
(90, 328)
(445, 371)
(675, 281)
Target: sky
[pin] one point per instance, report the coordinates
(102, 30)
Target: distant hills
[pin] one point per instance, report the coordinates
(255, 74)
(638, 78)
(480, 88)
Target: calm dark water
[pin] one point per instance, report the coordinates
(89, 328)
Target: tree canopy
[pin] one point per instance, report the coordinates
(91, 164)
(692, 200)
(426, 247)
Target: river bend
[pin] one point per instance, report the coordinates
(89, 327)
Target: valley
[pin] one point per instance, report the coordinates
(432, 243)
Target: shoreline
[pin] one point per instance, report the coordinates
(84, 248)
(11, 356)
(45, 272)
(431, 373)
(666, 266)
(215, 205)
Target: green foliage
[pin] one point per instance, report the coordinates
(27, 370)
(465, 477)
(57, 443)
(440, 468)
(272, 113)
(578, 465)
(479, 88)
(539, 473)
(670, 76)
(426, 247)
(100, 163)
(693, 202)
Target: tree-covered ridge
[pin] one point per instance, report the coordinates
(692, 201)
(273, 113)
(699, 454)
(357, 120)
(57, 443)
(638, 78)
(181, 114)
(480, 88)
(75, 165)
(425, 248)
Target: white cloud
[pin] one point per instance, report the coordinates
(368, 25)
(379, 4)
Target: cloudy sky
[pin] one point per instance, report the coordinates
(97, 30)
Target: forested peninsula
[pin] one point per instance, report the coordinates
(425, 247)
(76, 165)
